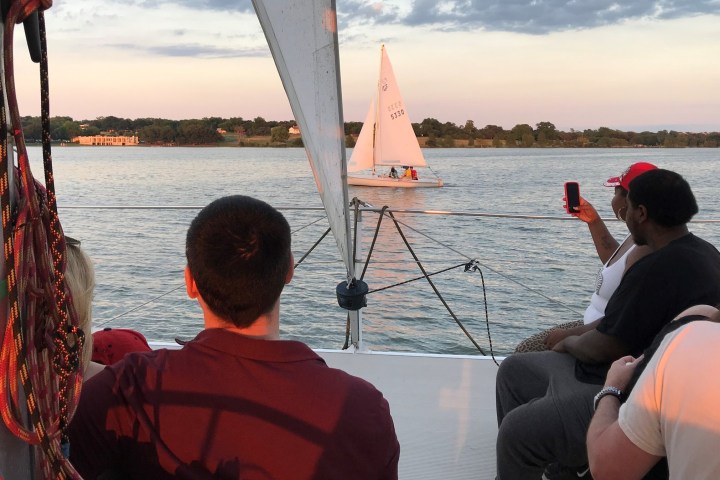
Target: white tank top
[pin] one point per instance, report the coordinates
(608, 279)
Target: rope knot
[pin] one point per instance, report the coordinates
(473, 265)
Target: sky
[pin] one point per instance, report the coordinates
(630, 65)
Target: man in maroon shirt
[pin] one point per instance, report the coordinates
(235, 402)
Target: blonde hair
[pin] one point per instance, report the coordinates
(80, 280)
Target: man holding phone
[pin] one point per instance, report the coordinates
(545, 399)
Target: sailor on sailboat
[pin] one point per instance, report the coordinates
(387, 139)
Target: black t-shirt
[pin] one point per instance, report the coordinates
(655, 290)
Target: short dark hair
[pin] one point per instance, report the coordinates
(666, 195)
(238, 252)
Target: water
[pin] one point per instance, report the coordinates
(536, 272)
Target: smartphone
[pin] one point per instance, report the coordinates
(572, 196)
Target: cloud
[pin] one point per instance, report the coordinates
(244, 6)
(195, 50)
(523, 16)
(377, 11)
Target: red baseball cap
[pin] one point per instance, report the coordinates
(624, 179)
(111, 344)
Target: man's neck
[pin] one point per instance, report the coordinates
(663, 237)
(258, 330)
(265, 327)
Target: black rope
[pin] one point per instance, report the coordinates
(494, 270)
(374, 240)
(425, 275)
(319, 219)
(432, 285)
(475, 267)
(346, 345)
(312, 248)
(464, 264)
(100, 324)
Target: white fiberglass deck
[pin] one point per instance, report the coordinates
(443, 407)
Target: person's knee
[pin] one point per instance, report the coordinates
(507, 431)
(510, 366)
(519, 431)
(530, 434)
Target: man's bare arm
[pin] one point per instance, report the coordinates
(559, 334)
(593, 347)
(611, 454)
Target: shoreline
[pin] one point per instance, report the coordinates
(424, 147)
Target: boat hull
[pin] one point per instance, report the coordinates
(375, 181)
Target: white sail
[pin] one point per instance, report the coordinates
(395, 140)
(302, 35)
(362, 155)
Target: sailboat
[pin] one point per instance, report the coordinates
(387, 139)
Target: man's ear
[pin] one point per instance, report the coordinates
(291, 270)
(642, 214)
(190, 286)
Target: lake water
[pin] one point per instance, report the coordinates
(537, 272)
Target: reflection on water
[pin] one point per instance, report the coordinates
(139, 253)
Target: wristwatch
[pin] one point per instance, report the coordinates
(614, 391)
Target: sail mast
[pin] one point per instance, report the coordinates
(376, 120)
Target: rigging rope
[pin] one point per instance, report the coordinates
(105, 322)
(432, 285)
(312, 248)
(497, 272)
(42, 342)
(100, 324)
(426, 276)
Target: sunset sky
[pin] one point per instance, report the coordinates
(631, 65)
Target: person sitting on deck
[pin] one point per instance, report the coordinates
(617, 258)
(393, 173)
(413, 174)
(544, 400)
(236, 401)
(407, 173)
(99, 347)
(671, 409)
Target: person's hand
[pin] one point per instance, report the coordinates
(585, 211)
(621, 371)
(559, 347)
(555, 336)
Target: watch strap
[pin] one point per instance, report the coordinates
(613, 391)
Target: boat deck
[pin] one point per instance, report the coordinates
(443, 408)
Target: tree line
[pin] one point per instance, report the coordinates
(211, 130)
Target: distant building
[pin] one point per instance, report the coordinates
(294, 130)
(221, 131)
(106, 140)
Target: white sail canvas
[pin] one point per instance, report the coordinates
(362, 154)
(302, 35)
(395, 140)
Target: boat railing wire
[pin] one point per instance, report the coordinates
(470, 263)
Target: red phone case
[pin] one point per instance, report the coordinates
(572, 196)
